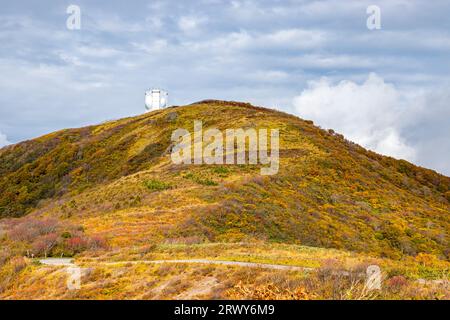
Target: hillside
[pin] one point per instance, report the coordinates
(117, 181)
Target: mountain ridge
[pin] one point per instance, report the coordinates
(329, 192)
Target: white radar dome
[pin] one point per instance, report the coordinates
(156, 99)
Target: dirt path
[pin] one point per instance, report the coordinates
(221, 262)
(68, 262)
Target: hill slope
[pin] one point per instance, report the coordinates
(117, 181)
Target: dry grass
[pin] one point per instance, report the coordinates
(330, 199)
(191, 281)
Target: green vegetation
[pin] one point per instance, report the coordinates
(200, 180)
(101, 188)
(156, 185)
(221, 171)
(329, 192)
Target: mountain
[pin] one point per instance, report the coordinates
(117, 181)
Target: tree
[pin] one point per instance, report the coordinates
(45, 244)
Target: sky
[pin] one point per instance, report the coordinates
(387, 89)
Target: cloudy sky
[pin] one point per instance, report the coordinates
(386, 89)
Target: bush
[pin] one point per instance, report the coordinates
(396, 283)
(222, 171)
(426, 260)
(207, 182)
(77, 244)
(45, 244)
(4, 256)
(156, 185)
(48, 237)
(66, 235)
(267, 291)
(447, 196)
(200, 180)
(31, 228)
(96, 243)
(18, 264)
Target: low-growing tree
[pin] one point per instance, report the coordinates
(45, 244)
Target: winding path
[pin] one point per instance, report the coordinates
(221, 262)
(68, 262)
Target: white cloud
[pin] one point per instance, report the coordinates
(246, 42)
(155, 46)
(189, 24)
(372, 114)
(297, 38)
(98, 52)
(3, 140)
(113, 23)
(407, 123)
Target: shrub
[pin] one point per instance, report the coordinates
(447, 196)
(200, 180)
(425, 259)
(66, 235)
(96, 243)
(31, 228)
(147, 249)
(77, 244)
(5, 254)
(333, 281)
(48, 237)
(267, 292)
(396, 283)
(156, 185)
(206, 182)
(18, 264)
(220, 170)
(45, 244)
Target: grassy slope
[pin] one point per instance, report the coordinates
(329, 192)
(116, 180)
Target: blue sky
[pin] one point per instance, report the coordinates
(386, 89)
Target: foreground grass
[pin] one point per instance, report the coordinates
(420, 267)
(103, 280)
(184, 281)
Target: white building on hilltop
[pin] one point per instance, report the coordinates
(156, 99)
